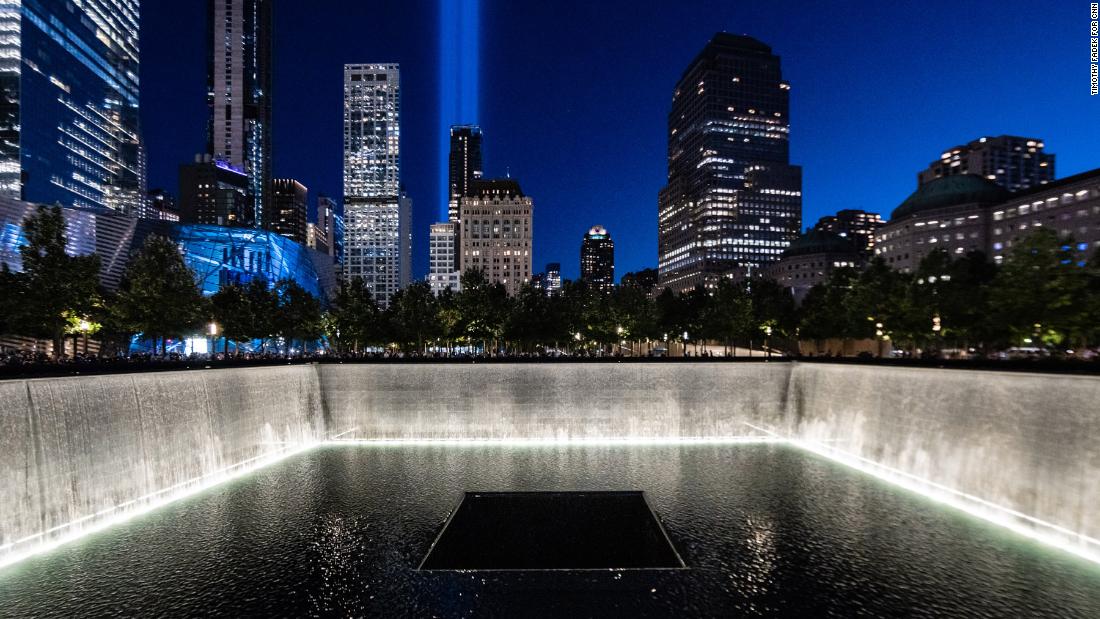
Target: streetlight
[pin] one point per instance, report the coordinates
(84, 328)
(212, 329)
(767, 337)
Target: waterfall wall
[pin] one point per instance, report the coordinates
(1020, 449)
(553, 401)
(79, 453)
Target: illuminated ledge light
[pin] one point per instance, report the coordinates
(535, 442)
(123, 512)
(1031, 527)
(1036, 529)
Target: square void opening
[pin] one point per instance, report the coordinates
(552, 531)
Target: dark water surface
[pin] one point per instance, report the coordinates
(764, 529)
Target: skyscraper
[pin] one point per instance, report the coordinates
(598, 259)
(552, 283)
(1012, 162)
(69, 127)
(287, 210)
(213, 192)
(496, 232)
(321, 232)
(465, 165)
(377, 213)
(857, 226)
(443, 270)
(733, 201)
(239, 91)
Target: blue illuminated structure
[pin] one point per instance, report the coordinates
(220, 256)
(459, 75)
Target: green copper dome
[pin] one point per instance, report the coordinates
(819, 242)
(951, 191)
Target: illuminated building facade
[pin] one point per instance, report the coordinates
(856, 225)
(443, 258)
(239, 92)
(377, 214)
(69, 124)
(598, 259)
(1012, 162)
(811, 259)
(464, 165)
(288, 209)
(216, 254)
(321, 231)
(496, 229)
(213, 192)
(552, 281)
(733, 202)
(159, 204)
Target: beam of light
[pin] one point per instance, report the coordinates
(459, 78)
(1037, 529)
(122, 512)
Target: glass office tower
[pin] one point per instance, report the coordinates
(377, 213)
(733, 201)
(464, 165)
(239, 92)
(69, 127)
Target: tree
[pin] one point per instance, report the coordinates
(298, 315)
(353, 316)
(54, 286)
(11, 300)
(728, 315)
(527, 319)
(263, 303)
(1039, 293)
(636, 313)
(232, 312)
(773, 308)
(829, 310)
(449, 318)
(483, 307)
(159, 296)
(412, 313)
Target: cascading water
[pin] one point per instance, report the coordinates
(1017, 449)
(80, 452)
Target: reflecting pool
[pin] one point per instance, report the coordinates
(764, 530)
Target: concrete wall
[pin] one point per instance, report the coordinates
(87, 449)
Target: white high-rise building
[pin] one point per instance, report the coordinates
(377, 214)
(443, 269)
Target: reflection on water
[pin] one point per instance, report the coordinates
(765, 529)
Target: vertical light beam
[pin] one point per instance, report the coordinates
(459, 75)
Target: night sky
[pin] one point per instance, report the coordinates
(574, 97)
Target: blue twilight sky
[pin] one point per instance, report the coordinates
(574, 96)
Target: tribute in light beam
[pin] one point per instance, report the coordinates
(459, 76)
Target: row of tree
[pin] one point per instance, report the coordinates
(1045, 294)
(578, 319)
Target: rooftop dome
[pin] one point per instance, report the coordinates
(951, 191)
(819, 242)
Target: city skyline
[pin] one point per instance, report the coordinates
(617, 123)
